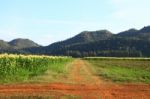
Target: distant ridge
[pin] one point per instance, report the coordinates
(22, 43)
(17, 44)
(129, 43)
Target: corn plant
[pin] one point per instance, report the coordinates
(23, 67)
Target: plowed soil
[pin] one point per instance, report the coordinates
(84, 84)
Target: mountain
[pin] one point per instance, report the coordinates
(82, 38)
(17, 45)
(143, 33)
(129, 43)
(146, 29)
(86, 37)
(4, 45)
(128, 33)
(22, 43)
(89, 36)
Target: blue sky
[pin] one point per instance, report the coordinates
(47, 21)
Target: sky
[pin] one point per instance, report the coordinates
(48, 21)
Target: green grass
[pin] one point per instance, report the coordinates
(57, 72)
(18, 68)
(122, 70)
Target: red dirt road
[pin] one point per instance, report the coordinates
(85, 85)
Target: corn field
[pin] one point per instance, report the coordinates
(22, 67)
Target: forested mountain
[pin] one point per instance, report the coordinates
(82, 38)
(22, 43)
(144, 33)
(88, 36)
(128, 43)
(103, 43)
(4, 45)
(16, 45)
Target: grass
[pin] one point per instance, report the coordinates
(55, 73)
(122, 70)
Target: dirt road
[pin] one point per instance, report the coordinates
(82, 83)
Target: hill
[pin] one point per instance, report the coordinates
(22, 43)
(129, 43)
(103, 43)
(16, 45)
(88, 36)
(82, 38)
(4, 45)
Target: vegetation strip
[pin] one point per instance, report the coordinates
(122, 69)
(16, 68)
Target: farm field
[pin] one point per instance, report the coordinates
(25, 68)
(67, 78)
(122, 70)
